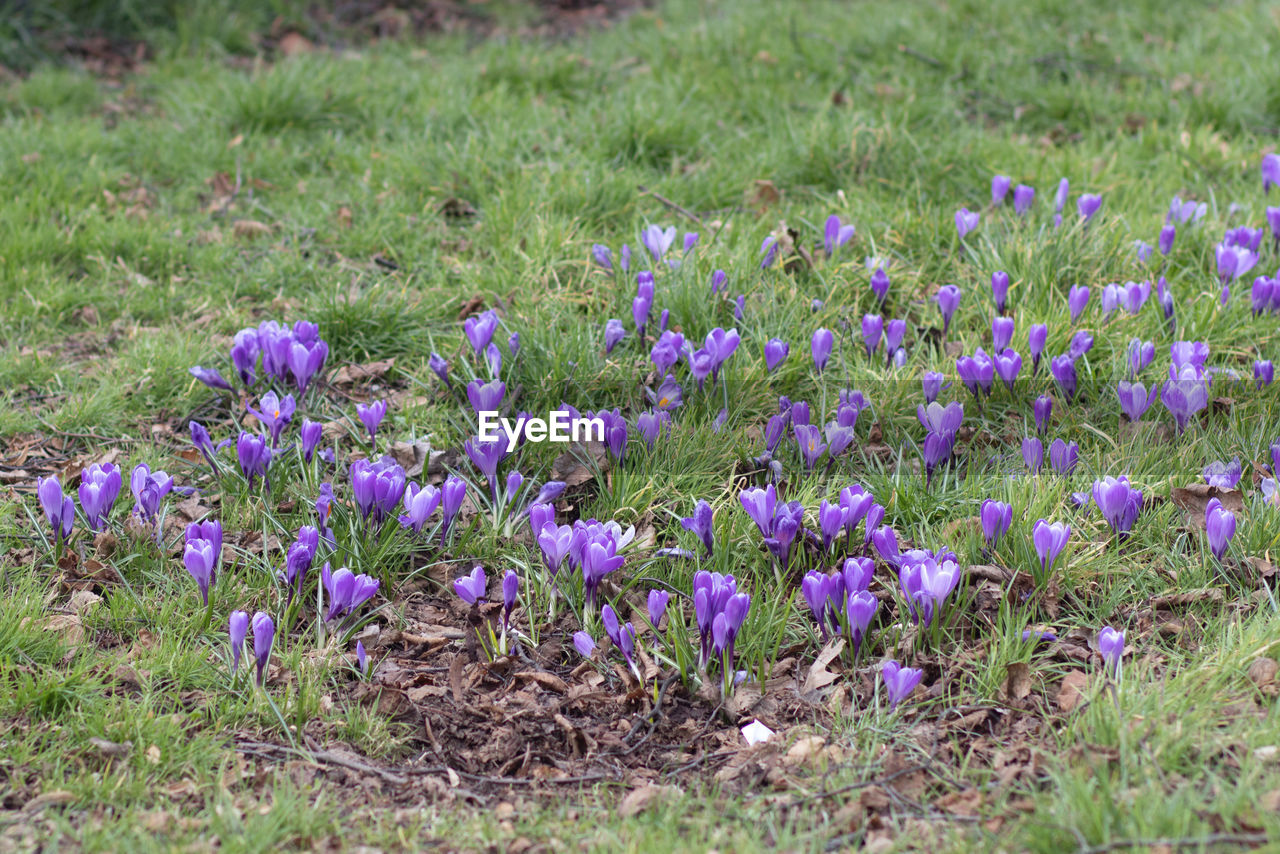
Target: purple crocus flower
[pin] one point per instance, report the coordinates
(1036, 337)
(1264, 372)
(479, 330)
(809, 438)
(1143, 251)
(210, 377)
(1032, 453)
(640, 313)
(657, 606)
(1262, 295)
(264, 636)
(999, 188)
(1134, 399)
(1042, 409)
(1063, 369)
(1270, 172)
(377, 488)
(419, 504)
(510, 591)
(820, 346)
(149, 489)
(1077, 299)
(346, 590)
(948, 299)
(880, 284)
(58, 508)
(244, 355)
(200, 560)
(667, 351)
(861, 609)
(1081, 343)
(668, 396)
(966, 221)
(440, 368)
(602, 256)
(486, 456)
(835, 234)
(1023, 196)
(1223, 475)
(1167, 234)
(304, 360)
(237, 629)
(298, 559)
(1087, 205)
(1220, 526)
(599, 558)
(583, 643)
(775, 351)
(926, 581)
(943, 420)
(1111, 648)
(1060, 195)
(658, 240)
(1049, 540)
(1140, 355)
(977, 372)
(931, 384)
(1064, 456)
(613, 333)
(274, 413)
(760, 504)
(1119, 502)
(1000, 289)
(768, 252)
(872, 330)
(471, 588)
(650, 425)
(554, 542)
(1184, 396)
(99, 487)
(204, 443)
(899, 681)
(700, 524)
(831, 518)
(996, 517)
(1008, 364)
(1233, 261)
(1001, 333)
(718, 279)
(371, 416)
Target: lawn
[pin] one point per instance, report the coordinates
(401, 194)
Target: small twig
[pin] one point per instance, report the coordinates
(680, 209)
(923, 57)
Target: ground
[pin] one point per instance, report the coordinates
(389, 180)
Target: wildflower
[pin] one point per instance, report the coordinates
(1007, 366)
(1001, 333)
(419, 504)
(210, 377)
(149, 489)
(1049, 540)
(1023, 196)
(700, 524)
(1119, 503)
(440, 368)
(602, 256)
(718, 279)
(1063, 369)
(1264, 373)
(894, 331)
(1000, 289)
(976, 372)
(1063, 456)
(599, 558)
(1111, 648)
(264, 635)
(640, 313)
(274, 413)
(1087, 205)
(1270, 172)
(377, 487)
(347, 591)
(510, 590)
(658, 240)
(254, 455)
(1077, 299)
(996, 517)
(650, 425)
(1032, 453)
(1081, 343)
(1036, 337)
(899, 681)
(1042, 409)
(835, 234)
(99, 486)
(583, 643)
(1060, 195)
(966, 221)
(657, 606)
(1134, 399)
(775, 351)
(58, 508)
(237, 629)
(1233, 261)
(362, 658)
(768, 252)
(1223, 475)
(926, 581)
(1143, 251)
(932, 385)
(999, 188)
(861, 608)
(479, 330)
(820, 347)
(948, 299)
(1184, 396)
(1220, 526)
(1167, 235)
(855, 503)
(299, 557)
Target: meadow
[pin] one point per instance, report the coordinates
(896, 538)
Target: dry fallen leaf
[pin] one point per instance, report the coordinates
(638, 800)
(1074, 685)
(1193, 500)
(1017, 683)
(250, 229)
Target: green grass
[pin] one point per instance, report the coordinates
(121, 266)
